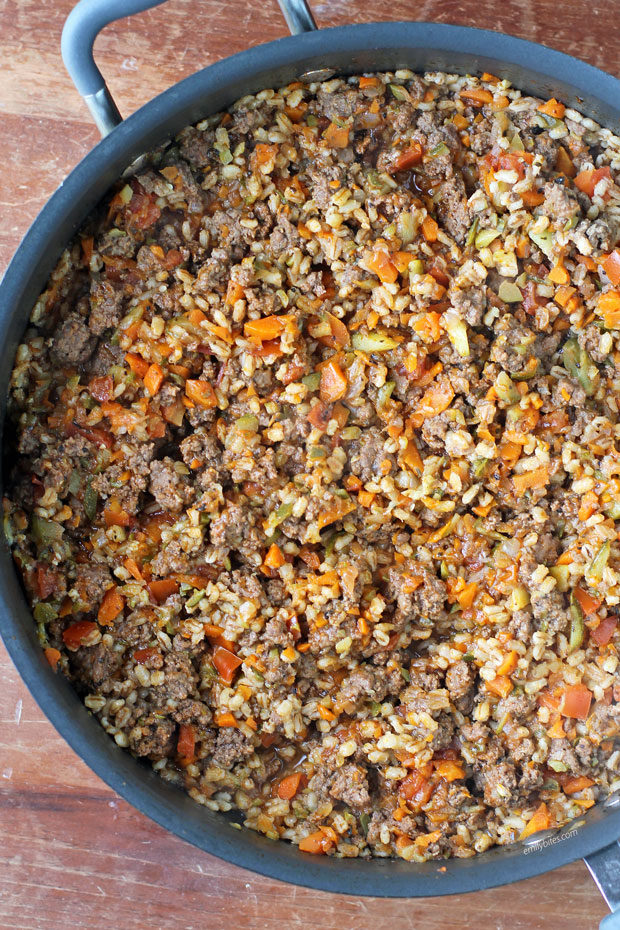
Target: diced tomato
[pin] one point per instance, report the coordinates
(604, 631)
(146, 654)
(416, 789)
(76, 634)
(407, 159)
(588, 604)
(93, 434)
(587, 180)
(226, 663)
(47, 580)
(611, 266)
(186, 743)
(575, 702)
(101, 388)
(320, 415)
(142, 209)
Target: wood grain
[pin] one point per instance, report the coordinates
(70, 849)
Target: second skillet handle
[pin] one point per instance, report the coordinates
(604, 867)
(89, 17)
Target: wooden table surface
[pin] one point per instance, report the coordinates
(70, 849)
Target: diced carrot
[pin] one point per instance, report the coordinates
(337, 137)
(532, 198)
(196, 316)
(289, 786)
(611, 266)
(430, 229)
(449, 770)
(460, 121)
(334, 382)
(489, 78)
(114, 515)
(380, 263)
(574, 783)
(424, 840)
(52, 655)
(320, 415)
(365, 498)
(263, 154)
(501, 686)
(428, 327)
(530, 480)
(411, 458)
(154, 379)
(368, 82)
(603, 633)
(406, 159)
(575, 702)
(268, 327)
(552, 108)
(466, 597)
(588, 604)
(564, 163)
(318, 843)
(325, 713)
(201, 393)
(226, 663)
(162, 588)
(563, 295)
(559, 275)
(274, 557)
(540, 820)
(339, 509)
(557, 730)
(186, 742)
(234, 292)
(589, 505)
(226, 720)
(509, 663)
(476, 96)
(76, 634)
(137, 364)
(112, 605)
(435, 400)
(587, 180)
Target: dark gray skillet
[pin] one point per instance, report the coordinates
(345, 50)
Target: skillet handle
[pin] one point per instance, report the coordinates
(89, 17)
(604, 867)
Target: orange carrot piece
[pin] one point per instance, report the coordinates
(154, 379)
(430, 229)
(137, 364)
(588, 604)
(334, 384)
(337, 137)
(552, 108)
(268, 327)
(201, 393)
(289, 786)
(500, 686)
(274, 557)
(53, 656)
(540, 820)
(111, 606)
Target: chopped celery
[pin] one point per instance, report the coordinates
(312, 381)
(485, 237)
(544, 241)
(457, 333)
(373, 342)
(596, 568)
(509, 293)
(505, 389)
(577, 628)
(248, 422)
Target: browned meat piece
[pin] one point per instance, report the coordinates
(91, 582)
(498, 782)
(363, 684)
(73, 343)
(168, 486)
(350, 785)
(181, 678)
(452, 208)
(113, 482)
(415, 601)
(560, 205)
(106, 306)
(471, 302)
(605, 722)
(589, 338)
(189, 711)
(367, 453)
(154, 736)
(460, 679)
(93, 665)
(603, 234)
(231, 747)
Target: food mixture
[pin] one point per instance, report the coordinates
(315, 485)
